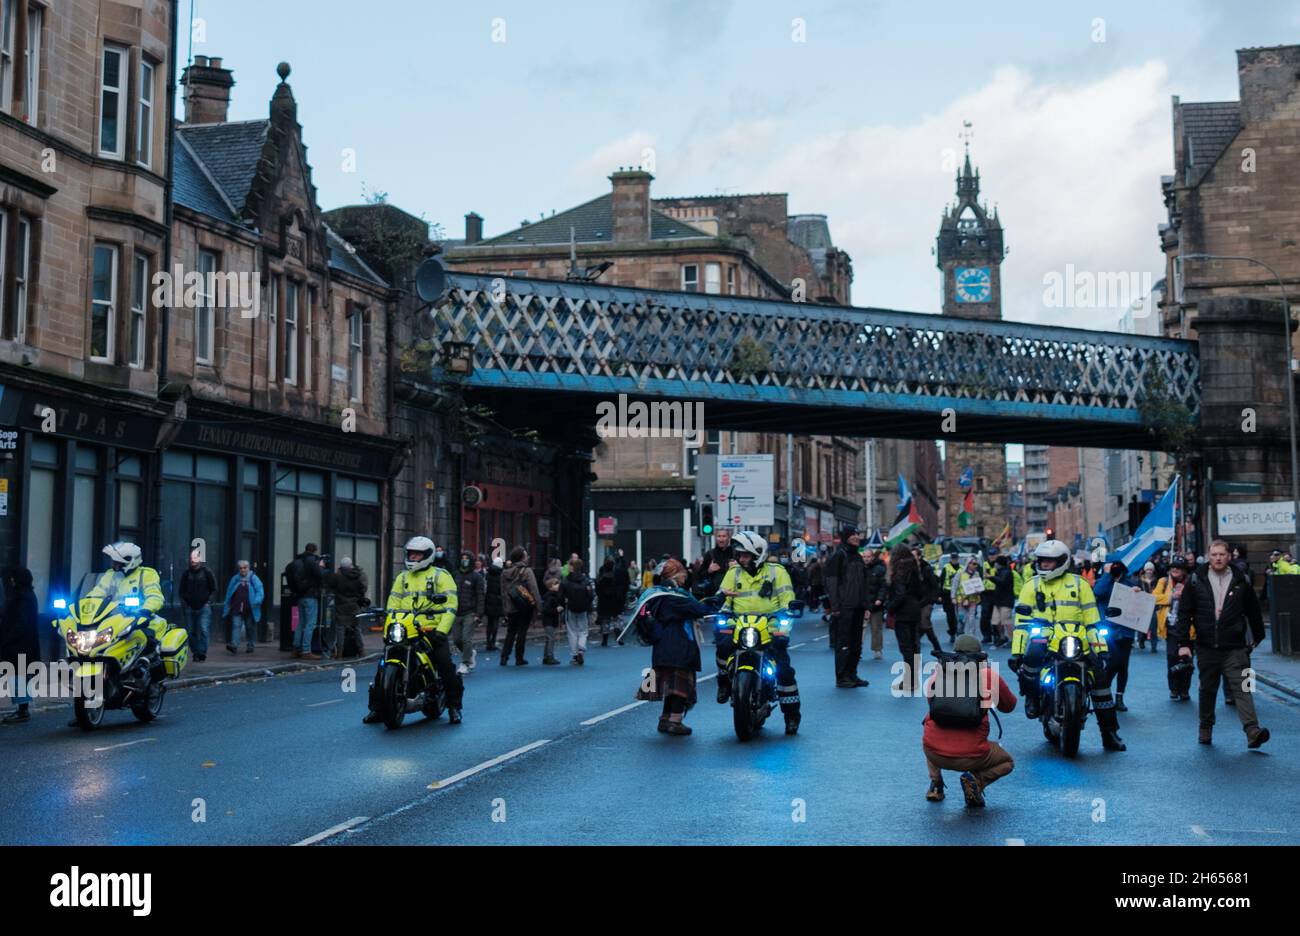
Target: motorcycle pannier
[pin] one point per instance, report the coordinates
(175, 650)
(956, 699)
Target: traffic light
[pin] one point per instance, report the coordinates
(1051, 534)
(706, 519)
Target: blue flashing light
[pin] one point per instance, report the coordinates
(1105, 631)
(1047, 678)
(1035, 631)
(132, 601)
(60, 604)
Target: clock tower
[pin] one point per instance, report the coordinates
(969, 254)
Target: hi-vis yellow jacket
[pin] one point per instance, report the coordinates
(415, 591)
(141, 580)
(1067, 608)
(949, 570)
(749, 600)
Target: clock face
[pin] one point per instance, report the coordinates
(973, 284)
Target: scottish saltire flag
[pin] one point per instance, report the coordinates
(967, 478)
(904, 495)
(1153, 534)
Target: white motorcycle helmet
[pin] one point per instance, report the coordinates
(126, 553)
(1052, 549)
(750, 542)
(419, 544)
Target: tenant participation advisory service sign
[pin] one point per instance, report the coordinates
(746, 495)
(1267, 517)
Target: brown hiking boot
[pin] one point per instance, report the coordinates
(1206, 736)
(935, 793)
(1257, 739)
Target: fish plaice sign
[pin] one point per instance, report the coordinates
(746, 492)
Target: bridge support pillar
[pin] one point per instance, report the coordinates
(1243, 434)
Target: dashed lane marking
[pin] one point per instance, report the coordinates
(333, 830)
(326, 702)
(611, 714)
(1198, 830)
(1015, 841)
(125, 744)
(487, 765)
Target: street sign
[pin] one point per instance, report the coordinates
(606, 526)
(746, 495)
(1238, 487)
(1267, 517)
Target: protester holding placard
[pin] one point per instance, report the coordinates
(1121, 634)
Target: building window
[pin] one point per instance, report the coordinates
(10, 47)
(32, 65)
(690, 277)
(291, 332)
(139, 301)
(205, 315)
(713, 278)
(358, 522)
(356, 336)
(103, 295)
(144, 126)
(731, 279)
(13, 321)
(9, 23)
(273, 337)
(112, 119)
(306, 337)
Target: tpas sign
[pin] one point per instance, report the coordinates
(1267, 517)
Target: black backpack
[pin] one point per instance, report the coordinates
(956, 700)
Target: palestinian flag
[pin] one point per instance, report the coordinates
(908, 521)
(967, 510)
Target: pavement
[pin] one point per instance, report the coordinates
(563, 754)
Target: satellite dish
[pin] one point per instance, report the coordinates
(431, 280)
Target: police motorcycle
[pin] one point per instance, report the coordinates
(752, 671)
(1065, 684)
(407, 680)
(105, 628)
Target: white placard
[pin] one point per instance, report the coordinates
(746, 490)
(1136, 607)
(972, 586)
(1268, 517)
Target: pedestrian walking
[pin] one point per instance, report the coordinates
(846, 590)
(609, 600)
(242, 607)
(522, 600)
(951, 569)
(493, 607)
(552, 611)
(967, 748)
(1120, 641)
(666, 622)
(579, 596)
(197, 586)
(875, 594)
(1224, 610)
(348, 586)
(20, 642)
(904, 605)
(1004, 600)
(966, 596)
(1168, 592)
(931, 591)
(1147, 582)
(305, 579)
(471, 594)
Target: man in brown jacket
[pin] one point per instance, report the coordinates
(522, 601)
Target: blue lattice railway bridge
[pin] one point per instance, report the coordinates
(548, 351)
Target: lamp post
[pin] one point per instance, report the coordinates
(1290, 383)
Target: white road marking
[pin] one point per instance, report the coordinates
(798, 645)
(617, 711)
(823, 637)
(333, 830)
(327, 702)
(456, 778)
(1202, 830)
(1198, 830)
(1012, 841)
(713, 675)
(126, 744)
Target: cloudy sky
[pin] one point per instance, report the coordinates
(852, 107)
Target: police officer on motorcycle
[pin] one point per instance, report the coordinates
(414, 590)
(1055, 594)
(754, 586)
(136, 578)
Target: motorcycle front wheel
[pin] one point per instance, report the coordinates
(146, 709)
(1071, 718)
(743, 692)
(392, 696)
(89, 717)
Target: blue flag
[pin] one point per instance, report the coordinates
(1153, 534)
(967, 478)
(904, 495)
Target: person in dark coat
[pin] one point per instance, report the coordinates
(609, 597)
(905, 595)
(714, 566)
(846, 589)
(349, 586)
(493, 606)
(624, 579)
(932, 591)
(664, 622)
(20, 641)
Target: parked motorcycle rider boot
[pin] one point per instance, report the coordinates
(754, 586)
(1054, 594)
(413, 590)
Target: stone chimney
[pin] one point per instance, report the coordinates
(631, 205)
(1269, 80)
(473, 228)
(207, 91)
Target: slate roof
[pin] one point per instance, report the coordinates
(344, 257)
(230, 152)
(593, 222)
(193, 187)
(1208, 128)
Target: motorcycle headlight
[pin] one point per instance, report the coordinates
(749, 637)
(396, 633)
(1071, 648)
(87, 640)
